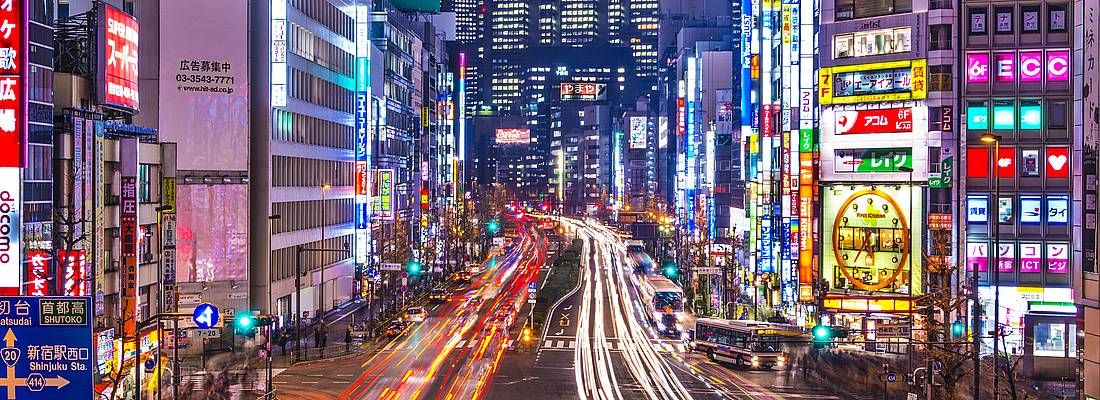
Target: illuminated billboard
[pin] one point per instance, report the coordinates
(1026, 66)
(588, 91)
(869, 234)
(867, 83)
(872, 160)
(117, 66)
(887, 120)
(513, 136)
(12, 97)
(383, 196)
(638, 132)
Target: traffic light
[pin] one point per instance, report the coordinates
(957, 329)
(245, 323)
(413, 267)
(823, 336)
(670, 270)
(492, 227)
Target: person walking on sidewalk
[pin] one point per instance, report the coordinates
(347, 340)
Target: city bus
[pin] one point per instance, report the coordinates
(663, 303)
(752, 343)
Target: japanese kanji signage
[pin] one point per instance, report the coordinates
(12, 99)
(118, 58)
(47, 347)
(74, 272)
(37, 271)
(128, 236)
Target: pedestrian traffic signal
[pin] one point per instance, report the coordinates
(957, 329)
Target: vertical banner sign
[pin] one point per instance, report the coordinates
(127, 222)
(1087, 93)
(168, 243)
(383, 196)
(117, 67)
(98, 261)
(278, 53)
(75, 273)
(362, 148)
(78, 181)
(37, 272)
(12, 130)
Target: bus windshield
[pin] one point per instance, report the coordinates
(668, 301)
(765, 343)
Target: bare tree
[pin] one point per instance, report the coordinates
(941, 301)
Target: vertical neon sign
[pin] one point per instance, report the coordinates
(362, 148)
(278, 53)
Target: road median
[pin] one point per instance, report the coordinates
(563, 276)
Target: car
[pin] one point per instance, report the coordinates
(475, 301)
(396, 328)
(462, 277)
(415, 314)
(438, 295)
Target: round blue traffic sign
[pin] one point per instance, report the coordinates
(206, 316)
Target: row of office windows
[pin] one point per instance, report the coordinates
(313, 89)
(297, 171)
(283, 260)
(298, 128)
(301, 215)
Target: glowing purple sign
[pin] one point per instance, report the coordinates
(1006, 67)
(1058, 65)
(1031, 257)
(977, 68)
(1031, 66)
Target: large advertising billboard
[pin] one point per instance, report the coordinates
(204, 83)
(117, 66)
(383, 195)
(886, 120)
(870, 232)
(587, 91)
(868, 83)
(513, 136)
(211, 233)
(639, 130)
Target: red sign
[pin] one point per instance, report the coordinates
(583, 91)
(38, 273)
(118, 64)
(12, 98)
(766, 125)
(1057, 162)
(888, 120)
(74, 272)
(128, 238)
(977, 162)
(361, 178)
(681, 117)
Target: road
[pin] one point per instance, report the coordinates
(453, 354)
(610, 351)
(607, 350)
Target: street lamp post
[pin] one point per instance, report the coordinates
(270, 305)
(160, 300)
(321, 302)
(909, 348)
(995, 232)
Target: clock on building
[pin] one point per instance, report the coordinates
(871, 242)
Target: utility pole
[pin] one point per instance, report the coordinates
(298, 250)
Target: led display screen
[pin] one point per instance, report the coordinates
(1057, 210)
(1004, 117)
(1031, 210)
(887, 81)
(977, 68)
(867, 238)
(977, 117)
(977, 209)
(1057, 162)
(118, 63)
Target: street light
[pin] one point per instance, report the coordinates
(995, 232)
(909, 212)
(321, 303)
(160, 300)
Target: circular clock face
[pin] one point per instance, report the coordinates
(871, 240)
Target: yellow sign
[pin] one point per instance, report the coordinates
(862, 304)
(868, 239)
(916, 79)
(168, 192)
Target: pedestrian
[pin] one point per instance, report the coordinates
(347, 340)
(283, 339)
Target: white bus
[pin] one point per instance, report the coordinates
(752, 343)
(664, 303)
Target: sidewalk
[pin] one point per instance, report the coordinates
(336, 323)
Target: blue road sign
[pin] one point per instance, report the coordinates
(206, 316)
(48, 350)
(372, 273)
(531, 287)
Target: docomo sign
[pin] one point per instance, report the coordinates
(118, 66)
(513, 136)
(1031, 66)
(10, 243)
(12, 98)
(888, 120)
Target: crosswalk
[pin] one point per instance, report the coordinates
(614, 344)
